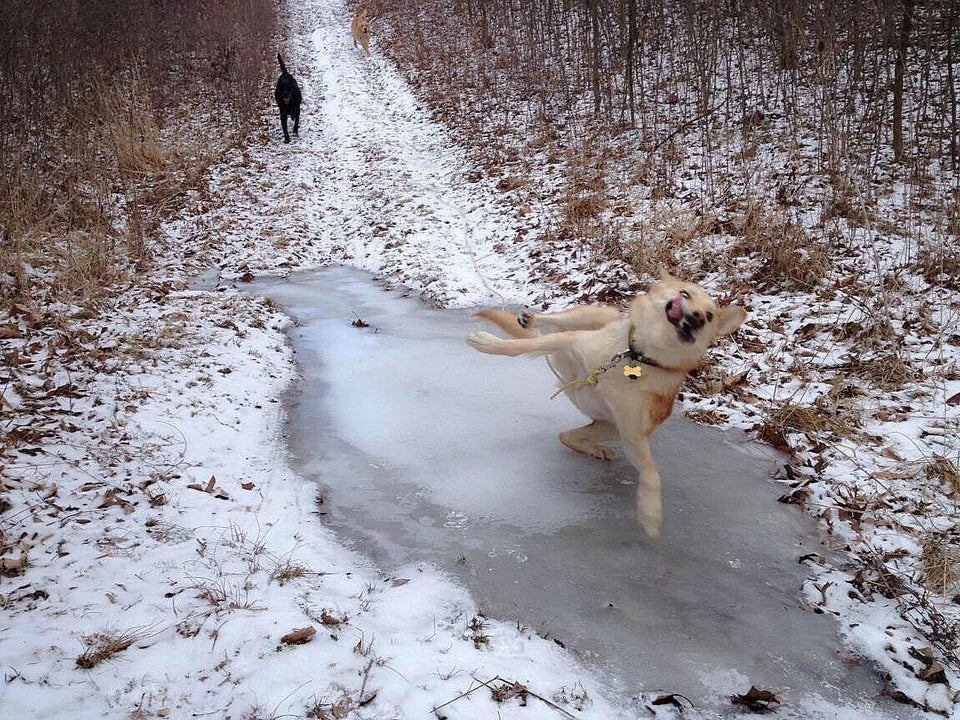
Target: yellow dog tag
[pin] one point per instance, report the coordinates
(633, 371)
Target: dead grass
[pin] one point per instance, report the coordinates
(939, 262)
(116, 120)
(887, 372)
(476, 632)
(103, 647)
(825, 416)
(287, 571)
(647, 255)
(788, 258)
(944, 472)
(941, 563)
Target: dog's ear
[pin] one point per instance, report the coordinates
(729, 318)
(665, 275)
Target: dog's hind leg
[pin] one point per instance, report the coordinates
(590, 439)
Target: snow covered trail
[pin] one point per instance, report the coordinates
(371, 181)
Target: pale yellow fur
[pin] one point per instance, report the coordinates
(586, 338)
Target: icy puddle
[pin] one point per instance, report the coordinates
(426, 450)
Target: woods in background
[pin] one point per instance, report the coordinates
(867, 75)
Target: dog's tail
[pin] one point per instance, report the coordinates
(518, 326)
(283, 68)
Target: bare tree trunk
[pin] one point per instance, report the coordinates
(899, 68)
(631, 67)
(951, 87)
(594, 6)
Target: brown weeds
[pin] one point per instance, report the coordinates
(105, 646)
(100, 131)
(944, 472)
(788, 257)
(823, 416)
(941, 563)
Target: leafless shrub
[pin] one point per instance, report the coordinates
(939, 262)
(580, 210)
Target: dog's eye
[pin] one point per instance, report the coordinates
(709, 317)
(684, 294)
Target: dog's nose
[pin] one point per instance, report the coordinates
(697, 320)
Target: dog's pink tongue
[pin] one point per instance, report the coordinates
(675, 310)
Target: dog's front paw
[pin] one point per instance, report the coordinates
(525, 319)
(483, 341)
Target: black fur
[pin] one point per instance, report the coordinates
(288, 99)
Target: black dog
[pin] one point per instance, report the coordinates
(288, 99)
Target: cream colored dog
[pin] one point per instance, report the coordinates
(622, 369)
(360, 28)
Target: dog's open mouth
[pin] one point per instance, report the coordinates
(686, 324)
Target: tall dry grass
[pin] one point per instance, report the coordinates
(109, 110)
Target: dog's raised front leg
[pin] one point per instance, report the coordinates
(649, 492)
(540, 345)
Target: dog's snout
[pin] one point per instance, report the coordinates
(697, 319)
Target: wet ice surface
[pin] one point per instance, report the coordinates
(426, 450)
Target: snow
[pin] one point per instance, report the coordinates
(164, 516)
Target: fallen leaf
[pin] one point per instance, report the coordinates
(10, 567)
(247, 486)
(935, 674)
(774, 436)
(299, 637)
(756, 700)
(331, 620)
(672, 699)
(342, 708)
(954, 399)
(900, 697)
(796, 497)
